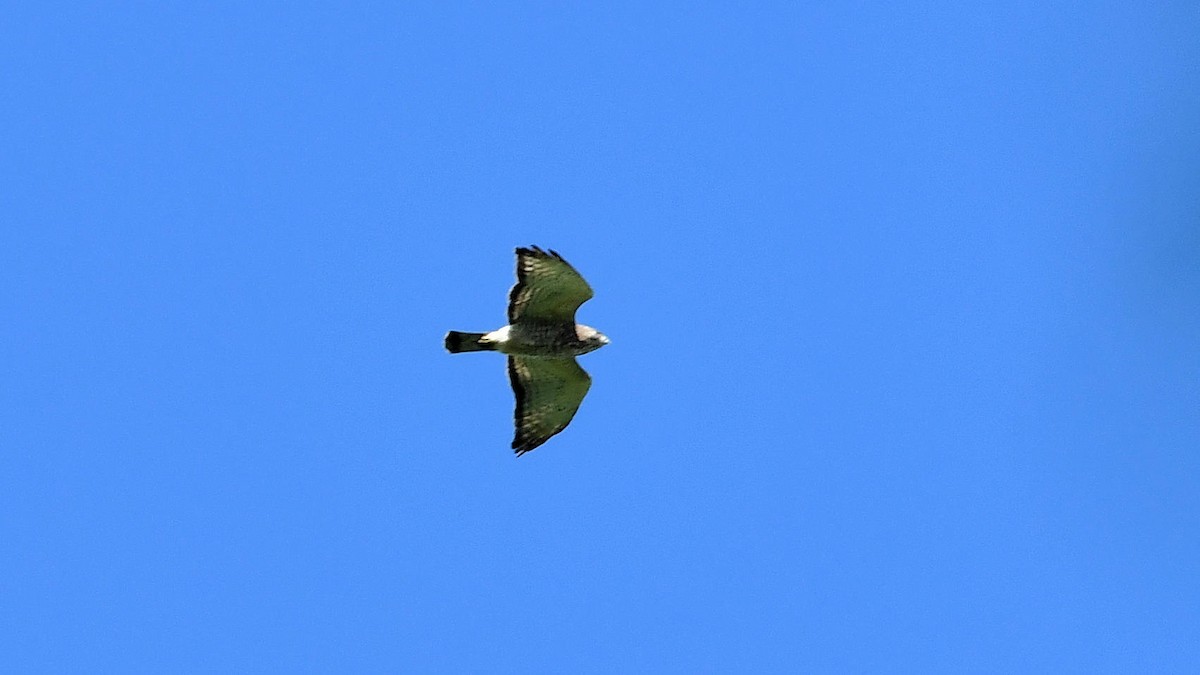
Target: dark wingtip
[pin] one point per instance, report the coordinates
(538, 252)
(454, 342)
(524, 442)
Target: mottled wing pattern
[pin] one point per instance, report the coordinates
(548, 289)
(548, 393)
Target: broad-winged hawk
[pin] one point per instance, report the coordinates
(541, 341)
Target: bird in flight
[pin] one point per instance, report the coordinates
(541, 341)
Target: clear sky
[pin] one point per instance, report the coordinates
(904, 306)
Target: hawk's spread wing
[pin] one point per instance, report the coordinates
(548, 289)
(548, 392)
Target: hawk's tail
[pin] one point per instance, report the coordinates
(466, 342)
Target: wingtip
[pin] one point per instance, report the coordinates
(523, 444)
(538, 252)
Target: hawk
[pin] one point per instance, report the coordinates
(541, 341)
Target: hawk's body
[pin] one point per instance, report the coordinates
(542, 341)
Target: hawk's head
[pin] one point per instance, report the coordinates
(591, 338)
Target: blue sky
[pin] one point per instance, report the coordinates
(904, 306)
